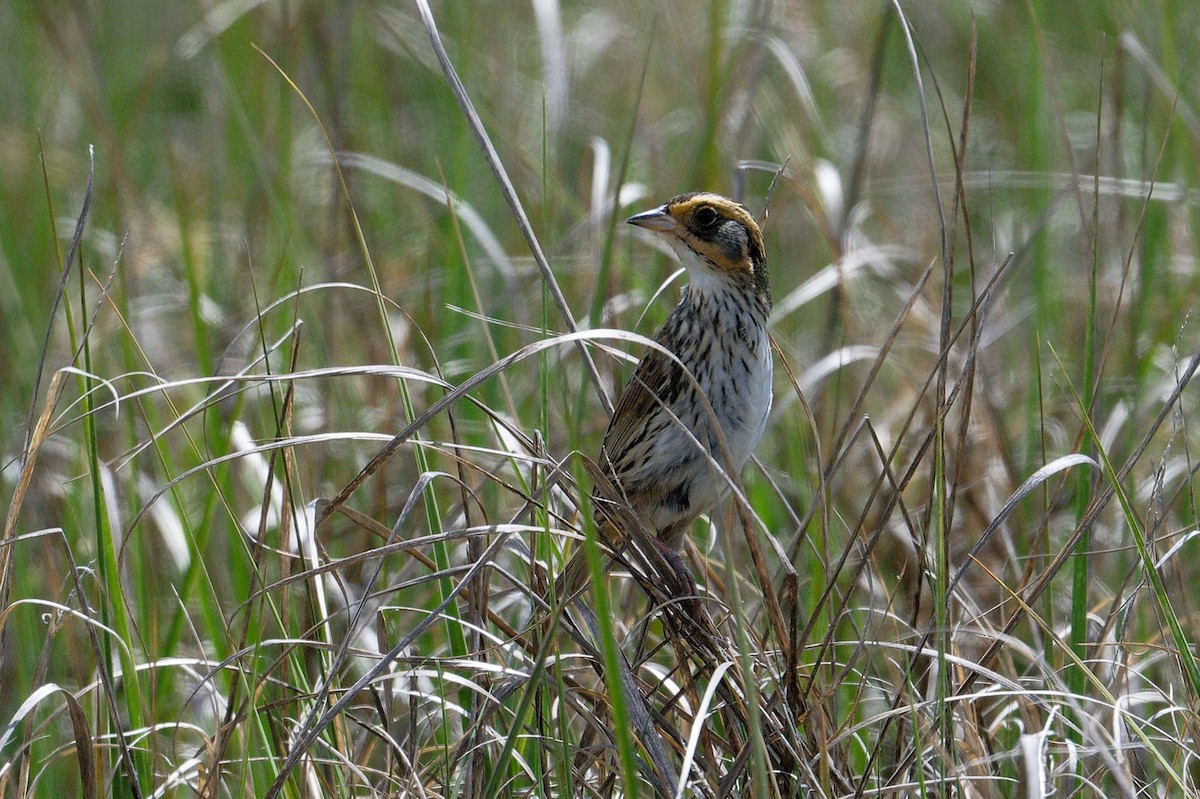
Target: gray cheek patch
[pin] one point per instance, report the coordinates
(732, 241)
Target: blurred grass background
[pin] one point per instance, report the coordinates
(219, 241)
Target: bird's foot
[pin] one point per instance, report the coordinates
(680, 585)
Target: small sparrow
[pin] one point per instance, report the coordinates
(658, 445)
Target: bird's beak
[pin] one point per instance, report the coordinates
(654, 219)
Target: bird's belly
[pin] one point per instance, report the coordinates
(739, 390)
(683, 474)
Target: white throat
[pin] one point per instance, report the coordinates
(702, 276)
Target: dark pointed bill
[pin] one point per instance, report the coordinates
(654, 219)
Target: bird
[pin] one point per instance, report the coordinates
(661, 442)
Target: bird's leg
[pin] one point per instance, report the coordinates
(683, 582)
(680, 585)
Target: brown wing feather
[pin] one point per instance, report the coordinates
(636, 409)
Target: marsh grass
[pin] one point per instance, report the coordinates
(328, 360)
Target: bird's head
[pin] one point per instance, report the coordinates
(713, 236)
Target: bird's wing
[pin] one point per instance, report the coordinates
(639, 415)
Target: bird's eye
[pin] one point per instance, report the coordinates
(706, 216)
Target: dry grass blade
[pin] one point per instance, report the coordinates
(88, 789)
(64, 266)
(510, 194)
(312, 727)
(1095, 507)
